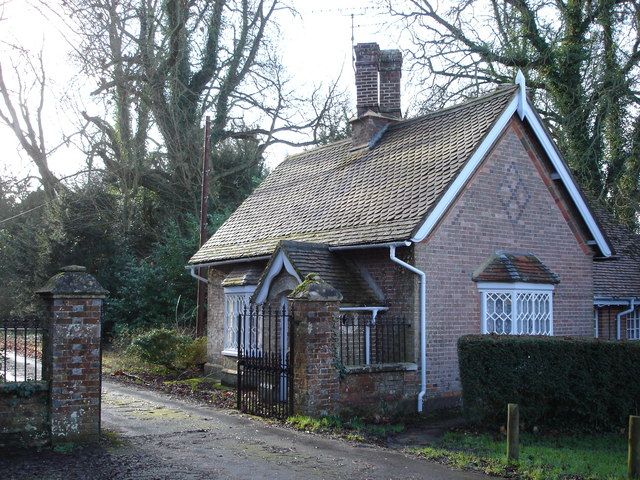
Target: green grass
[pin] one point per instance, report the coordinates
(198, 382)
(585, 457)
(355, 429)
(115, 361)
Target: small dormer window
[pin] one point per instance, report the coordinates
(516, 293)
(516, 308)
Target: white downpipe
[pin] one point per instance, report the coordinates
(632, 307)
(192, 272)
(423, 322)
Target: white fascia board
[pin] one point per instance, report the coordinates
(606, 302)
(475, 160)
(561, 169)
(465, 174)
(504, 286)
(281, 261)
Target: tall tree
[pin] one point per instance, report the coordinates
(21, 109)
(581, 61)
(179, 59)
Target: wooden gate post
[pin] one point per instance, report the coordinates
(633, 461)
(73, 358)
(513, 432)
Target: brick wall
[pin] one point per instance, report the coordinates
(397, 284)
(74, 345)
(368, 393)
(24, 414)
(215, 322)
(510, 204)
(64, 407)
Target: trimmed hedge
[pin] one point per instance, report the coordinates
(559, 383)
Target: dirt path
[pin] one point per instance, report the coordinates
(162, 438)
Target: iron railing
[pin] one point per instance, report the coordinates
(365, 341)
(21, 342)
(265, 370)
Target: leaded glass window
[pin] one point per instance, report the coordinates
(236, 299)
(517, 309)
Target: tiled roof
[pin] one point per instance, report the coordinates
(509, 267)
(338, 196)
(333, 268)
(618, 277)
(244, 274)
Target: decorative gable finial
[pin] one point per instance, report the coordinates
(522, 93)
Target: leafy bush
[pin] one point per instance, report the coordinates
(193, 354)
(169, 348)
(559, 383)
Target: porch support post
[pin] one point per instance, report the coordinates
(316, 377)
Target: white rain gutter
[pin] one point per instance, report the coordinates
(369, 245)
(193, 273)
(423, 322)
(632, 307)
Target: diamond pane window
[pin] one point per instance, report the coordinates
(498, 312)
(235, 301)
(517, 309)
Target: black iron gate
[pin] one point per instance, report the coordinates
(265, 370)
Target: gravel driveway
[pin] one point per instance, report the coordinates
(157, 437)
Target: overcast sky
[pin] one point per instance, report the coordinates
(316, 47)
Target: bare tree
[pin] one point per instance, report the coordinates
(164, 64)
(581, 61)
(27, 125)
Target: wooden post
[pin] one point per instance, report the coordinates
(513, 432)
(201, 315)
(633, 461)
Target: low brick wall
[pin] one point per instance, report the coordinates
(385, 389)
(24, 414)
(66, 407)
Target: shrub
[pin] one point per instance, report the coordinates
(169, 348)
(193, 354)
(559, 383)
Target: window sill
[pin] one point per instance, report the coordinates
(230, 353)
(382, 367)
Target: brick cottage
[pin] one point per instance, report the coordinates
(462, 221)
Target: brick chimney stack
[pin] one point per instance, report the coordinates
(390, 74)
(367, 64)
(378, 74)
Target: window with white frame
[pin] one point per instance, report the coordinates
(633, 325)
(517, 308)
(235, 301)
